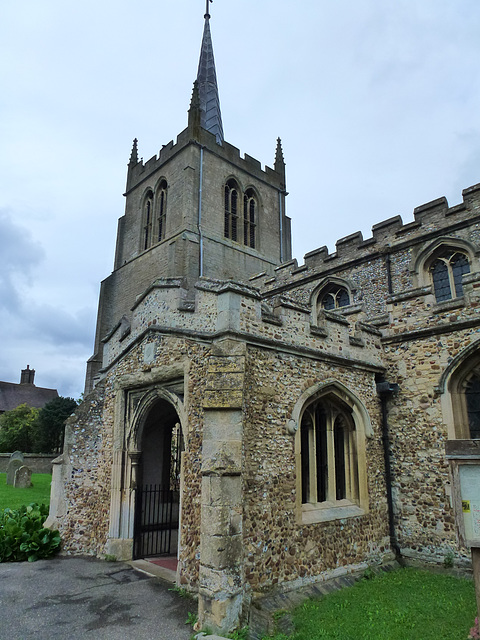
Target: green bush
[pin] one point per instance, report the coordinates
(22, 536)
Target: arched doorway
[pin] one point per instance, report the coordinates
(157, 503)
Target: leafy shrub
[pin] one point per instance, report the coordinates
(22, 536)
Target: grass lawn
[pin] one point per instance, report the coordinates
(13, 498)
(407, 604)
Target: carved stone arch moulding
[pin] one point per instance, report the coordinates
(147, 193)
(331, 282)
(452, 386)
(334, 387)
(256, 192)
(140, 402)
(353, 500)
(421, 259)
(162, 182)
(235, 179)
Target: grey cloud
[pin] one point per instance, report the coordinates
(19, 254)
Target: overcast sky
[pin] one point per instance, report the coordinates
(377, 103)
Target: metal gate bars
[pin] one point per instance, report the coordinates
(156, 521)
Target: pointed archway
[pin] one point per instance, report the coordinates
(157, 504)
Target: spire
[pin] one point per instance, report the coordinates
(211, 117)
(134, 154)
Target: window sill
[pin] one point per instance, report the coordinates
(449, 305)
(327, 511)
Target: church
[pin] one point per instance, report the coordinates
(269, 424)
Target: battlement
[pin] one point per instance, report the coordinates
(221, 308)
(140, 170)
(387, 236)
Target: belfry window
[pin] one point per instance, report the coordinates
(334, 297)
(147, 221)
(161, 210)
(447, 271)
(231, 210)
(328, 453)
(249, 215)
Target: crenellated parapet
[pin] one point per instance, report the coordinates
(223, 309)
(139, 171)
(388, 236)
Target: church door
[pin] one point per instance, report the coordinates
(157, 507)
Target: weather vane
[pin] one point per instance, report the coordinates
(207, 12)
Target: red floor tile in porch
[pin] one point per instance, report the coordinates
(167, 562)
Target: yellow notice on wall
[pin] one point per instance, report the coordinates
(466, 506)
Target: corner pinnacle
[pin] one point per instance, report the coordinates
(134, 154)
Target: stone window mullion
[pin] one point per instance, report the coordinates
(331, 485)
(313, 466)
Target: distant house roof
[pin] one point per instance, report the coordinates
(12, 394)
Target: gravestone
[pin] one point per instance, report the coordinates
(13, 465)
(23, 478)
(17, 455)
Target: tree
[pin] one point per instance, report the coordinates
(49, 428)
(16, 429)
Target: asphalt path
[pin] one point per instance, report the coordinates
(72, 598)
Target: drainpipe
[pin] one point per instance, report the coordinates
(388, 263)
(200, 214)
(281, 225)
(385, 391)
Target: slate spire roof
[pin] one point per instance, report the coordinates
(211, 117)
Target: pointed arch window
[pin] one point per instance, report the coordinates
(447, 270)
(329, 463)
(249, 218)
(231, 210)
(472, 398)
(464, 393)
(147, 220)
(161, 210)
(334, 297)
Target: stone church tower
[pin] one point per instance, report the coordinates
(196, 210)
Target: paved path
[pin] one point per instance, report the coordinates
(78, 598)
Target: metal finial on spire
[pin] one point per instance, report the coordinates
(207, 10)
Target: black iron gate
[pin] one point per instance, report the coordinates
(156, 521)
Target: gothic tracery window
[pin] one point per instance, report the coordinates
(328, 453)
(447, 270)
(334, 297)
(147, 221)
(161, 210)
(231, 210)
(472, 401)
(249, 218)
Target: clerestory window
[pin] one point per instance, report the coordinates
(447, 270)
(329, 463)
(334, 297)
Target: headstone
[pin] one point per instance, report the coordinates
(23, 478)
(13, 465)
(17, 455)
